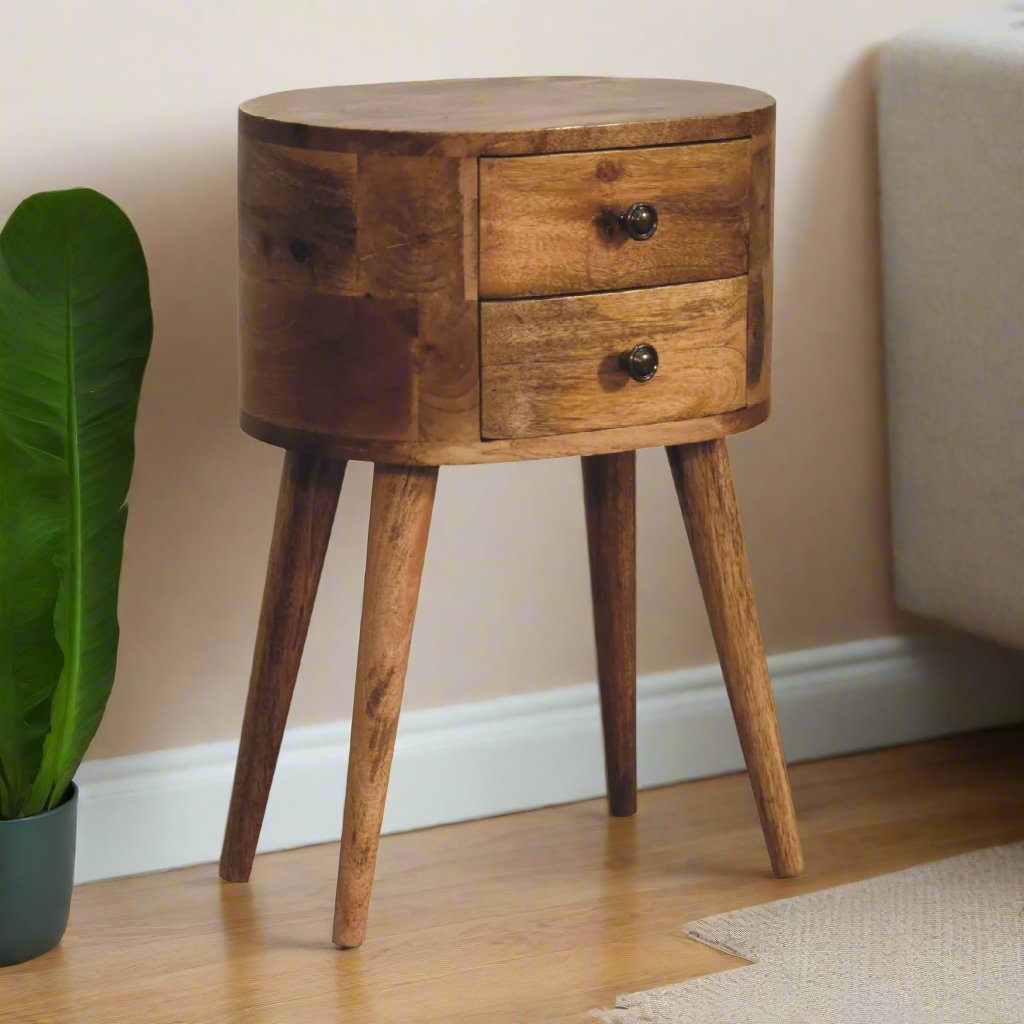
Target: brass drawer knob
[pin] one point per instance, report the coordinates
(639, 221)
(640, 362)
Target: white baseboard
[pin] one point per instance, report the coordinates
(166, 809)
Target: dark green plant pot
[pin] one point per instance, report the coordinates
(37, 871)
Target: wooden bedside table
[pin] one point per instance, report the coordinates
(439, 273)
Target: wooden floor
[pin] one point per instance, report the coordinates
(531, 918)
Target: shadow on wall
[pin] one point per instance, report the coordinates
(825, 444)
(875, 265)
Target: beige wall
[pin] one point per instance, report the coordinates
(137, 98)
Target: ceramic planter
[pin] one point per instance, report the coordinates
(37, 869)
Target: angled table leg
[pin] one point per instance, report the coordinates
(609, 493)
(704, 485)
(400, 509)
(307, 500)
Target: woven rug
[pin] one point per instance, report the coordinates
(942, 943)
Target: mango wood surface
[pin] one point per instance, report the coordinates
(400, 508)
(609, 496)
(360, 248)
(549, 225)
(357, 293)
(703, 480)
(505, 116)
(587, 442)
(551, 366)
(762, 233)
(528, 919)
(306, 503)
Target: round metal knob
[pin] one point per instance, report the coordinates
(639, 221)
(640, 362)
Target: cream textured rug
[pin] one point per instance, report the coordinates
(942, 943)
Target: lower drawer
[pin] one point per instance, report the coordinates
(551, 366)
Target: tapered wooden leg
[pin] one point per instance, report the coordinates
(400, 507)
(609, 493)
(703, 480)
(306, 503)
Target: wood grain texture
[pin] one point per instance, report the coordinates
(365, 246)
(589, 442)
(400, 509)
(609, 495)
(534, 400)
(704, 485)
(341, 364)
(306, 503)
(358, 312)
(533, 917)
(759, 308)
(551, 366)
(549, 224)
(505, 116)
(297, 217)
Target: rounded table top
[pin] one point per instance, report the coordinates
(506, 116)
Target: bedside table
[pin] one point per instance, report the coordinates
(453, 272)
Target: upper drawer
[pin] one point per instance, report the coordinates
(550, 225)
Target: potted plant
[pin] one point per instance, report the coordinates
(75, 332)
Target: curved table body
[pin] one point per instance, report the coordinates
(453, 272)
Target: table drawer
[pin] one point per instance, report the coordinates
(551, 225)
(551, 366)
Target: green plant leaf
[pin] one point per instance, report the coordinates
(75, 331)
(31, 524)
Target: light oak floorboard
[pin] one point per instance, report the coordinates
(526, 919)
